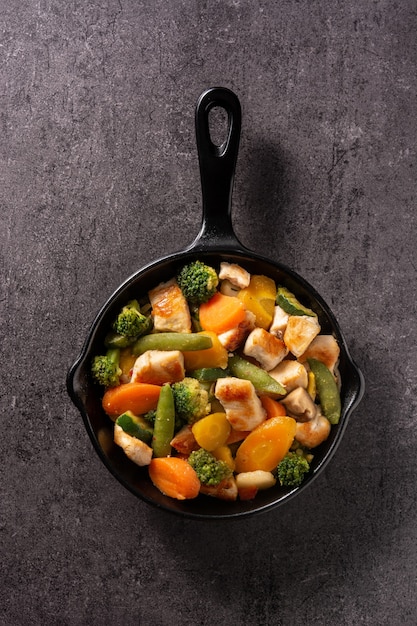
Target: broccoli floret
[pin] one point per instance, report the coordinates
(150, 416)
(105, 368)
(291, 470)
(191, 401)
(198, 282)
(210, 471)
(131, 322)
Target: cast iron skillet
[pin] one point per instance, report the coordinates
(215, 242)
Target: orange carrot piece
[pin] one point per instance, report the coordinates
(272, 407)
(136, 397)
(221, 313)
(174, 477)
(266, 445)
(247, 493)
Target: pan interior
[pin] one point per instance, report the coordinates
(87, 396)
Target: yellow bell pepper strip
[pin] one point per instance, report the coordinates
(260, 379)
(259, 298)
(327, 391)
(214, 356)
(171, 341)
(163, 430)
(311, 386)
(224, 453)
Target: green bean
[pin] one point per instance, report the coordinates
(327, 391)
(260, 379)
(171, 341)
(163, 430)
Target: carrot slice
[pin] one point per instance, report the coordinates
(174, 477)
(266, 445)
(211, 431)
(247, 493)
(272, 407)
(221, 313)
(136, 397)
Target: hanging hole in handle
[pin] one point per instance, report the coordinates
(219, 128)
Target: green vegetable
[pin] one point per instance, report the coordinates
(260, 379)
(292, 469)
(163, 430)
(131, 322)
(105, 368)
(171, 341)
(198, 282)
(289, 303)
(209, 374)
(191, 401)
(327, 391)
(150, 416)
(209, 470)
(114, 340)
(135, 426)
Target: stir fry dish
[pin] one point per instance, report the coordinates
(220, 383)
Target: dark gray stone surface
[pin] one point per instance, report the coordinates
(98, 175)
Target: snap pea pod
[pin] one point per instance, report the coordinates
(171, 341)
(260, 379)
(327, 390)
(209, 374)
(163, 429)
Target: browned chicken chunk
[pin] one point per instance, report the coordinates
(158, 367)
(242, 406)
(169, 308)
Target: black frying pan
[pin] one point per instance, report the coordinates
(215, 243)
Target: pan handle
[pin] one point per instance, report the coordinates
(217, 169)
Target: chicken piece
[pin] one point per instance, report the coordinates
(232, 339)
(226, 490)
(267, 349)
(290, 374)
(135, 449)
(184, 441)
(169, 308)
(242, 406)
(158, 367)
(311, 434)
(279, 322)
(300, 332)
(324, 348)
(227, 289)
(300, 405)
(258, 479)
(234, 274)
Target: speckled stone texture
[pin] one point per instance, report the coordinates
(99, 175)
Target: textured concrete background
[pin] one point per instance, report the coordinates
(98, 175)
